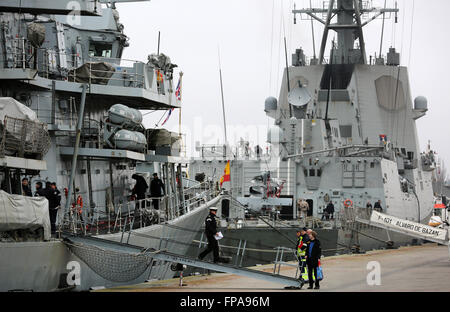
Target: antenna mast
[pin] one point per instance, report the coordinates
(223, 100)
(348, 26)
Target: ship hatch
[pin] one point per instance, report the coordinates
(310, 207)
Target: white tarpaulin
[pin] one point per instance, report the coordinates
(406, 226)
(19, 212)
(12, 108)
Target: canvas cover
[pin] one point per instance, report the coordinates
(13, 108)
(93, 72)
(36, 34)
(162, 137)
(19, 212)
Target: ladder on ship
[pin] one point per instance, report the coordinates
(162, 255)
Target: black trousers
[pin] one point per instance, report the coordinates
(155, 204)
(310, 275)
(140, 203)
(53, 213)
(213, 246)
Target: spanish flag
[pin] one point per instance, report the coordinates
(226, 175)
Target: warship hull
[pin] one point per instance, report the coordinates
(44, 266)
(252, 246)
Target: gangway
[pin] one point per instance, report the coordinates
(410, 228)
(162, 255)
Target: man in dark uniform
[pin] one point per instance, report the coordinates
(156, 190)
(330, 210)
(39, 190)
(139, 189)
(210, 232)
(377, 206)
(26, 190)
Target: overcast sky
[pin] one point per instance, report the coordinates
(250, 33)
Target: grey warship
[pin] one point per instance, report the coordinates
(70, 108)
(344, 132)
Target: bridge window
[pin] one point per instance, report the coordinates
(100, 50)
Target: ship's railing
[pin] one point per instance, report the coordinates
(135, 214)
(48, 64)
(21, 54)
(24, 137)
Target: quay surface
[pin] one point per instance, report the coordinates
(407, 269)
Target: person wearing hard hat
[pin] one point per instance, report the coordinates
(211, 232)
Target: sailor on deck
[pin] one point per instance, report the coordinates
(26, 190)
(303, 207)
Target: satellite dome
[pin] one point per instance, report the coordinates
(421, 103)
(270, 104)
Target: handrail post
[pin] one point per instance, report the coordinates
(109, 219)
(77, 143)
(140, 212)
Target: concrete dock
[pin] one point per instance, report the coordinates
(407, 269)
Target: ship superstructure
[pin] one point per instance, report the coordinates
(63, 61)
(344, 132)
(345, 126)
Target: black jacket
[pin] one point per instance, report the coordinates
(40, 192)
(54, 198)
(156, 188)
(313, 258)
(210, 225)
(26, 190)
(140, 187)
(377, 206)
(330, 208)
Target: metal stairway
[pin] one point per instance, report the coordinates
(171, 257)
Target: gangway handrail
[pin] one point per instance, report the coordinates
(181, 259)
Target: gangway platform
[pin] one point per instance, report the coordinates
(181, 259)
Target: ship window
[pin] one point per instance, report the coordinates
(372, 165)
(312, 172)
(100, 50)
(305, 172)
(319, 172)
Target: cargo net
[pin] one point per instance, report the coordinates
(24, 138)
(113, 266)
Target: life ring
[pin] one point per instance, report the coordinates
(348, 203)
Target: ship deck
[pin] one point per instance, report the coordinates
(411, 268)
